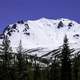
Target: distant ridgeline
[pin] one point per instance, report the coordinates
(43, 49)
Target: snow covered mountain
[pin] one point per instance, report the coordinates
(43, 34)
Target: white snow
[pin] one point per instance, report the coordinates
(45, 34)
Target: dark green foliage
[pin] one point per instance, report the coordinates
(65, 61)
(76, 67)
(55, 70)
(5, 59)
(22, 66)
(36, 72)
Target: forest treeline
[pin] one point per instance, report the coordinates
(22, 66)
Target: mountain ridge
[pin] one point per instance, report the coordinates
(47, 34)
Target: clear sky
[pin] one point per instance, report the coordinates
(14, 10)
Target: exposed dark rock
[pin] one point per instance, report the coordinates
(70, 25)
(1, 36)
(27, 26)
(27, 33)
(60, 24)
(20, 22)
(14, 26)
(76, 35)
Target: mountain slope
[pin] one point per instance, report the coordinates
(43, 34)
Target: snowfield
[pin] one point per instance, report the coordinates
(44, 34)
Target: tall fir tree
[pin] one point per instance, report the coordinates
(5, 57)
(21, 63)
(54, 70)
(76, 65)
(65, 61)
(36, 69)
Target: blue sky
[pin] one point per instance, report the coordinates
(14, 10)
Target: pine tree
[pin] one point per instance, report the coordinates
(54, 71)
(5, 58)
(65, 61)
(75, 69)
(20, 56)
(76, 65)
(36, 70)
(20, 62)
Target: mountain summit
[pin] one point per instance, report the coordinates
(43, 34)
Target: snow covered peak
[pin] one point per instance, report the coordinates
(46, 34)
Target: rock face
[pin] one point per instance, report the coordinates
(43, 34)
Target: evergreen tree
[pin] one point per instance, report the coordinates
(36, 70)
(76, 65)
(20, 62)
(54, 71)
(5, 57)
(20, 56)
(65, 61)
(75, 69)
